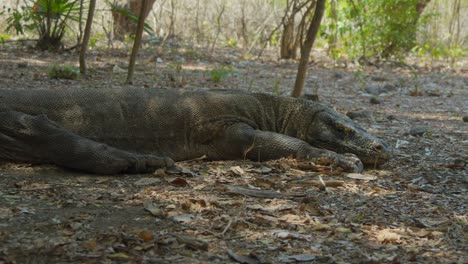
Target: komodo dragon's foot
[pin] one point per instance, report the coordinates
(348, 162)
(147, 163)
(102, 159)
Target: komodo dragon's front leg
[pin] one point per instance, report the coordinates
(241, 139)
(36, 139)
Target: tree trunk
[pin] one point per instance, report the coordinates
(122, 24)
(86, 36)
(288, 49)
(291, 40)
(139, 33)
(421, 5)
(307, 47)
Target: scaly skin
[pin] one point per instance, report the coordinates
(109, 131)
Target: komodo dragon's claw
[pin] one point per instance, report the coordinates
(350, 163)
(149, 163)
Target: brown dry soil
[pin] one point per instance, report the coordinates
(413, 209)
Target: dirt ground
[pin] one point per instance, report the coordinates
(412, 209)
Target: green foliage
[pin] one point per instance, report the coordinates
(218, 74)
(231, 43)
(4, 37)
(438, 50)
(377, 28)
(63, 72)
(276, 39)
(50, 19)
(193, 54)
(93, 41)
(175, 66)
(360, 77)
(276, 87)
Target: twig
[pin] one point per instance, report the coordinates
(227, 227)
(196, 159)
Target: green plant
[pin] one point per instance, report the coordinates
(276, 88)
(378, 28)
(176, 73)
(218, 74)
(95, 39)
(4, 37)
(63, 72)
(438, 50)
(360, 77)
(50, 19)
(192, 54)
(417, 84)
(231, 43)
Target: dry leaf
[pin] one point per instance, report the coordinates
(254, 193)
(146, 235)
(179, 182)
(388, 236)
(237, 170)
(147, 181)
(192, 243)
(242, 259)
(359, 176)
(153, 209)
(298, 258)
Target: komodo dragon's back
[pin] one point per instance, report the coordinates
(117, 117)
(143, 120)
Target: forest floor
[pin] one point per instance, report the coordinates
(412, 209)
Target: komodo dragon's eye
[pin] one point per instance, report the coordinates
(344, 128)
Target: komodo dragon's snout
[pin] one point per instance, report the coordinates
(336, 132)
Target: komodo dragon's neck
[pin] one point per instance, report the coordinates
(293, 116)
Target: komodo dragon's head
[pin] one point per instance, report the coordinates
(333, 131)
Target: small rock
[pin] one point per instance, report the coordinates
(159, 60)
(389, 87)
(183, 218)
(337, 75)
(311, 97)
(435, 93)
(365, 115)
(400, 143)
(378, 78)
(265, 170)
(117, 69)
(375, 100)
(375, 90)
(465, 118)
(419, 130)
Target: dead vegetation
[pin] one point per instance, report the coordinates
(413, 209)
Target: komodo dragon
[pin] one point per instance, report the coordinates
(110, 131)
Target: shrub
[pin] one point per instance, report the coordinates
(63, 72)
(218, 74)
(48, 18)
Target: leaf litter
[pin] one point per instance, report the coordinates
(412, 209)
